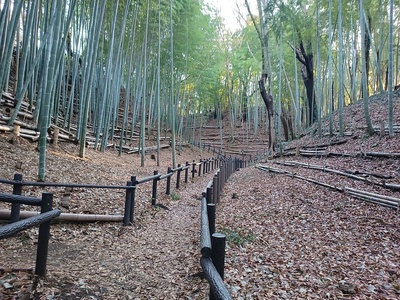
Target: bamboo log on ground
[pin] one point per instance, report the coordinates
(64, 131)
(387, 203)
(346, 173)
(6, 128)
(382, 154)
(374, 198)
(324, 145)
(392, 186)
(29, 132)
(5, 215)
(26, 125)
(33, 138)
(148, 149)
(381, 176)
(329, 170)
(210, 127)
(22, 124)
(312, 153)
(367, 196)
(383, 197)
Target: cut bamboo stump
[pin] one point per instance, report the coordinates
(56, 133)
(16, 130)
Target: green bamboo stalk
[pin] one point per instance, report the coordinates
(6, 54)
(172, 102)
(144, 95)
(44, 116)
(159, 85)
(94, 32)
(341, 71)
(390, 70)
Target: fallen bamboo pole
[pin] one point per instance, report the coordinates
(5, 215)
(329, 170)
(392, 204)
(362, 195)
(392, 186)
(383, 197)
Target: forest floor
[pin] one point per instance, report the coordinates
(287, 238)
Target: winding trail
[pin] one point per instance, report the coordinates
(157, 258)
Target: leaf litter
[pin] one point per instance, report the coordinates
(286, 238)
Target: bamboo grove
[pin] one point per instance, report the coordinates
(115, 68)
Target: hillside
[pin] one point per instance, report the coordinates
(287, 238)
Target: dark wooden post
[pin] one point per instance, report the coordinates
(187, 172)
(215, 189)
(15, 207)
(133, 193)
(219, 180)
(209, 195)
(221, 176)
(128, 204)
(168, 190)
(193, 169)
(44, 235)
(154, 191)
(211, 217)
(218, 242)
(178, 176)
(200, 164)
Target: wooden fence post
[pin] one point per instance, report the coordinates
(218, 242)
(133, 193)
(186, 172)
(219, 180)
(168, 190)
(193, 169)
(209, 194)
(15, 207)
(44, 235)
(215, 189)
(154, 191)
(211, 217)
(178, 176)
(200, 164)
(128, 204)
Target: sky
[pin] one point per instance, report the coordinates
(228, 10)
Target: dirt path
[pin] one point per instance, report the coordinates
(157, 258)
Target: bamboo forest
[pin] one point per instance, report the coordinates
(164, 64)
(280, 122)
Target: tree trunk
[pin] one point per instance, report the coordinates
(307, 74)
(268, 100)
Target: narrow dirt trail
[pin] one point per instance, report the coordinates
(156, 258)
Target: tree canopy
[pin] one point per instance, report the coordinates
(80, 63)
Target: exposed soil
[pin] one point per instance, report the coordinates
(286, 238)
